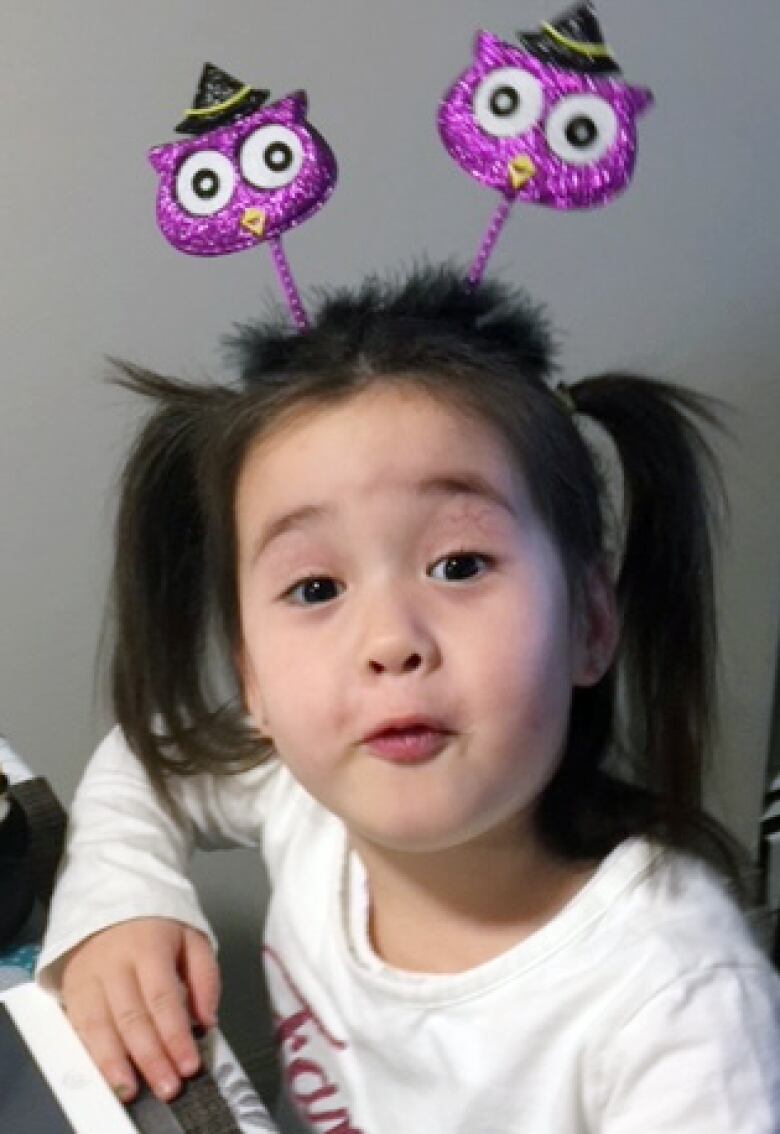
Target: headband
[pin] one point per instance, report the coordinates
(547, 121)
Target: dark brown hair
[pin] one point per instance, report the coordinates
(175, 606)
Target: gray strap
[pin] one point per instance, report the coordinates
(201, 1109)
(47, 820)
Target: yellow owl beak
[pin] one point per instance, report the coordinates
(520, 170)
(253, 220)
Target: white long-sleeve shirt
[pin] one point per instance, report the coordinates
(642, 1007)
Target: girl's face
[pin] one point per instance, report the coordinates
(408, 638)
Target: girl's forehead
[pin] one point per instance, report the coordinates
(386, 423)
(386, 438)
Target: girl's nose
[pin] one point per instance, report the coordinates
(394, 657)
(399, 643)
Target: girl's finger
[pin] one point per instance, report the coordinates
(90, 1015)
(165, 998)
(200, 973)
(137, 1028)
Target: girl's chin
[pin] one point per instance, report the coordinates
(428, 836)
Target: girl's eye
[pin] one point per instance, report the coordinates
(459, 568)
(314, 591)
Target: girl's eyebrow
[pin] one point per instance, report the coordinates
(287, 521)
(447, 485)
(466, 484)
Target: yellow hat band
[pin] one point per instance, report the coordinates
(204, 111)
(593, 50)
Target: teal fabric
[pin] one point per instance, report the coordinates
(18, 965)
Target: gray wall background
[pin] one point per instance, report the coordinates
(679, 277)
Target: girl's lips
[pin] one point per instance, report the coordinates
(408, 744)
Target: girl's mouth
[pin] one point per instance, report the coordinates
(413, 743)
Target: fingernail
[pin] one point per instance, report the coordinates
(189, 1065)
(166, 1089)
(122, 1091)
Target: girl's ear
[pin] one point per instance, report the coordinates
(597, 628)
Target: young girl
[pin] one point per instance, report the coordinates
(490, 904)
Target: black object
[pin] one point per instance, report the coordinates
(573, 41)
(36, 836)
(219, 100)
(27, 1105)
(17, 886)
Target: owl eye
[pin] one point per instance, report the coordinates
(271, 157)
(204, 183)
(581, 128)
(508, 102)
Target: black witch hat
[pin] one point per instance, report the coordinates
(574, 42)
(219, 99)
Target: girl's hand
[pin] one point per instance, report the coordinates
(133, 993)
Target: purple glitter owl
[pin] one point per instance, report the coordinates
(548, 122)
(248, 173)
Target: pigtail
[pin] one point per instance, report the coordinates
(163, 585)
(672, 502)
